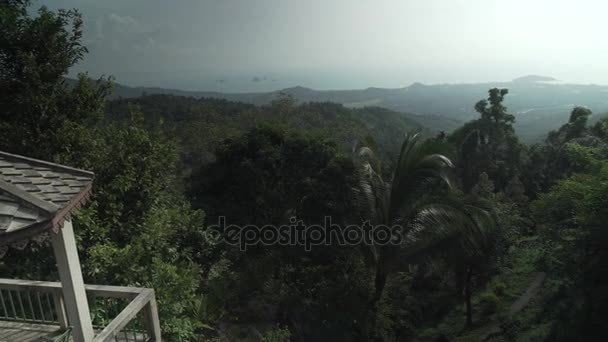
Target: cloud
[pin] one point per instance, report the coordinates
(120, 32)
(123, 20)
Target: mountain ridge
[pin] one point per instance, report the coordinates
(534, 78)
(537, 106)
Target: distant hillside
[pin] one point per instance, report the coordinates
(349, 98)
(202, 123)
(538, 107)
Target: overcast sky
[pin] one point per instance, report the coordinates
(247, 45)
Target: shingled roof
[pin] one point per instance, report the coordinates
(36, 196)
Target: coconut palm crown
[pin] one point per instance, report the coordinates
(426, 221)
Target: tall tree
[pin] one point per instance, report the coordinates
(136, 230)
(574, 229)
(404, 201)
(555, 159)
(266, 177)
(488, 144)
(576, 127)
(39, 109)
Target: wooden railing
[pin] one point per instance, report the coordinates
(41, 302)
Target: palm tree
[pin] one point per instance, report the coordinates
(405, 202)
(468, 262)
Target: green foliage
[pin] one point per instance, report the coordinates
(428, 222)
(488, 302)
(488, 144)
(499, 288)
(429, 333)
(137, 229)
(495, 111)
(276, 335)
(575, 128)
(484, 187)
(186, 117)
(281, 172)
(583, 158)
(515, 191)
(136, 233)
(264, 177)
(578, 121)
(133, 168)
(38, 108)
(600, 129)
(574, 215)
(570, 149)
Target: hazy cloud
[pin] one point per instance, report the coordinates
(341, 43)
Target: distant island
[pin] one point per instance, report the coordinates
(534, 78)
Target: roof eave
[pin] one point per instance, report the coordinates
(25, 233)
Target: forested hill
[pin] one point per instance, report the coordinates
(538, 103)
(187, 117)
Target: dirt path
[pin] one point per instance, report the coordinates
(519, 304)
(530, 293)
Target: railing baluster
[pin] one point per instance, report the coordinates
(10, 299)
(29, 301)
(20, 301)
(3, 306)
(60, 309)
(52, 312)
(40, 306)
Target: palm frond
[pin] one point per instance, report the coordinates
(419, 163)
(371, 192)
(468, 224)
(426, 226)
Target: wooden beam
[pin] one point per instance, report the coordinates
(125, 316)
(72, 285)
(107, 291)
(114, 291)
(142, 300)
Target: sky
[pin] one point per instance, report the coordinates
(261, 45)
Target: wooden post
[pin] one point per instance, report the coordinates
(72, 285)
(151, 320)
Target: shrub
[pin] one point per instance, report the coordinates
(276, 335)
(429, 333)
(499, 288)
(488, 303)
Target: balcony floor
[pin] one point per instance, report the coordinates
(26, 332)
(31, 332)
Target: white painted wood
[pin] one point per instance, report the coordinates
(31, 332)
(62, 317)
(74, 294)
(108, 291)
(141, 300)
(125, 316)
